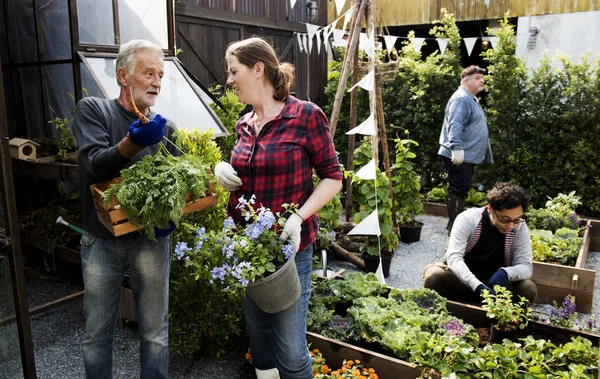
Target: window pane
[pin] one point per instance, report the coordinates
(95, 18)
(56, 40)
(143, 19)
(177, 101)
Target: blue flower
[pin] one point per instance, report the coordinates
(228, 224)
(201, 232)
(181, 249)
(288, 250)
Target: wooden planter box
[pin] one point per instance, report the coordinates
(387, 366)
(555, 281)
(116, 220)
(435, 209)
(48, 168)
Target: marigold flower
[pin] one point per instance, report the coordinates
(355, 372)
(357, 362)
(325, 369)
(350, 363)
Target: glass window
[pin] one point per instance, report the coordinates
(179, 101)
(143, 19)
(95, 19)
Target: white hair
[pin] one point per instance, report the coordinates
(127, 54)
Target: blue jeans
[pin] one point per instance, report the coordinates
(104, 263)
(278, 340)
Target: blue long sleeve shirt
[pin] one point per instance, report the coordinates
(465, 129)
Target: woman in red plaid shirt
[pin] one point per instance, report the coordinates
(278, 145)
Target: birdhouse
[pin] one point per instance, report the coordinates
(22, 148)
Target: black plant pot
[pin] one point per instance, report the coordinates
(372, 262)
(410, 233)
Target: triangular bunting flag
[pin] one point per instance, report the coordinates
(469, 43)
(494, 41)
(366, 128)
(299, 36)
(339, 5)
(417, 43)
(379, 271)
(442, 43)
(304, 43)
(311, 30)
(487, 3)
(390, 41)
(370, 47)
(292, 3)
(368, 226)
(338, 38)
(366, 82)
(347, 18)
(318, 35)
(368, 171)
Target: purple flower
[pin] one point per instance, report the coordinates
(181, 249)
(253, 231)
(201, 232)
(288, 250)
(228, 224)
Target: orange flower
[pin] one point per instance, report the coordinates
(325, 369)
(357, 362)
(349, 363)
(355, 372)
(319, 359)
(316, 351)
(374, 376)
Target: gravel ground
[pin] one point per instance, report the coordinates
(57, 334)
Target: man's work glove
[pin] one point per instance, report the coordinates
(227, 176)
(160, 233)
(482, 287)
(500, 278)
(148, 134)
(291, 231)
(458, 157)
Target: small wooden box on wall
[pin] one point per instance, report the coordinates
(21, 148)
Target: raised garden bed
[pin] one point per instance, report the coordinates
(47, 167)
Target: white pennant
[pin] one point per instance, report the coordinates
(370, 47)
(487, 3)
(417, 43)
(379, 272)
(390, 41)
(469, 43)
(338, 38)
(366, 128)
(366, 82)
(339, 5)
(368, 226)
(347, 18)
(304, 43)
(292, 3)
(311, 30)
(368, 171)
(299, 36)
(442, 43)
(318, 35)
(326, 33)
(494, 41)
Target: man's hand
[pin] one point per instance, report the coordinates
(291, 231)
(482, 287)
(227, 176)
(148, 134)
(500, 278)
(159, 233)
(458, 157)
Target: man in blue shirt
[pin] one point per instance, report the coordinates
(464, 139)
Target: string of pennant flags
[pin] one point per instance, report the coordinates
(322, 35)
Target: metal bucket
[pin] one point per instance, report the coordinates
(277, 291)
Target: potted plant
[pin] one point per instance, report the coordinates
(247, 259)
(508, 315)
(407, 191)
(369, 195)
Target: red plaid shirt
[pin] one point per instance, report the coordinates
(277, 165)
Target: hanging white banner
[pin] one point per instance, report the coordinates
(318, 35)
(442, 43)
(339, 5)
(366, 82)
(369, 226)
(304, 43)
(370, 47)
(390, 41)
(379, 272)
(292, 3)
(338, 38)
(487, 3)
(366, 128)
(311, 30)
(368, 171)
(299, 36)
(417, 43)
(347, 18)
(327, 30)
(469, 43)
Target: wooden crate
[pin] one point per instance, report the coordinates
(386, 366)
(555, 281)
(116, 220)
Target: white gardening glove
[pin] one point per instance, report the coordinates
(291, 231)
(227, 176)
(458, 157)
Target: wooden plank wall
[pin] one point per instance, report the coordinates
(418, 12)
(204, 29)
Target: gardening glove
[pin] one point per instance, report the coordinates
(160, 233)
(458, 157)
(500, 278)
(148, 134)
(480, 288)
(227, 176)
(291, 231)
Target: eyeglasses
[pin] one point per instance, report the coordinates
(507, 220)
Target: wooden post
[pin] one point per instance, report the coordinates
(372, 96)
(352, 46)
(351, 138)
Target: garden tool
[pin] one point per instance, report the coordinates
(60, 220)
(324, 271)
